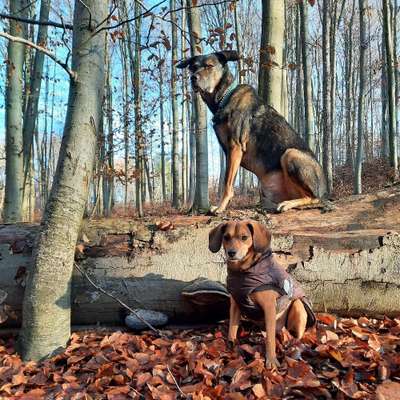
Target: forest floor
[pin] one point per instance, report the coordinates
(339, 359)
(376, 175)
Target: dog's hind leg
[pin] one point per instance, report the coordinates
(297, 319)
(234, 158)
(304, 180)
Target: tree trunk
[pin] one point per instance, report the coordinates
(108, 186)
(174, 110)
(31, 112)
(201, 200)
(162, 131)
(326, 97)
(307, 73)
(47, 306)
(192, 151)
(271, 76)
(184, 112)
(384, 153)
(361, 99)
(390, 86)
(13, 198)
(348, 85)
(139, 140)
(125, 118)
(238, 44)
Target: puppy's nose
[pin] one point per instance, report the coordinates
(231, 253)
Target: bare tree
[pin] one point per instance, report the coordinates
(201, 200)
(174, 110)
(14, 190)
(271, 79)
(388, 33)
(326, 96)
(47, 308)
(306, 68)
(361, 99)
(31, 112)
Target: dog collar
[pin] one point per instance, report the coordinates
(225, 98)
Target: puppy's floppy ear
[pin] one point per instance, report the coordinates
(184, 63)
(261, 236)
(227, 55)
(215, 237)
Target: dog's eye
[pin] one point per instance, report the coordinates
(227, 237)
(209, 66)
(244, 238)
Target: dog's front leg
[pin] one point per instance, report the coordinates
(234, 158)
(234, 320)
(267, 301)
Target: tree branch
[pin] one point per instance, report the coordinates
(48, 53)
(35, 22)
(101, 290)
(147, 12)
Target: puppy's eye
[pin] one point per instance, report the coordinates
(209, 66)
(227, 237)
(244, 238)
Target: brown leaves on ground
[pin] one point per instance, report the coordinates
(340, 359)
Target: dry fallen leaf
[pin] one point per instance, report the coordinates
(341, 358)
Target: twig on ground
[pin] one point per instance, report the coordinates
(175, 381)
(100, 289)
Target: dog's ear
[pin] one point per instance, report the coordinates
(215, 237)
(184, 63)
(261, 236)
(227, 55)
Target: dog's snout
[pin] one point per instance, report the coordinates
(194, 78)
(231, 253)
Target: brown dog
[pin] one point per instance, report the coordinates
(260, 288)
(255, 136)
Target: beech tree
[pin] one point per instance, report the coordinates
(46, 309)
(14, 188)
(391, 88)
(201, 200)
(271, 82)
(361, 100)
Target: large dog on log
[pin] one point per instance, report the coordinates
(257, 137)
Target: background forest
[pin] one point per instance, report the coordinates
(340, 84)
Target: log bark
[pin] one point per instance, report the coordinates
(347, 260)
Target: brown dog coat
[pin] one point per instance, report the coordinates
(266, 274)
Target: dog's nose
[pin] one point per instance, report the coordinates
(231, 253)
(194, 78)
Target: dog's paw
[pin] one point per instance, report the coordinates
(327, 206)
(284, 206)
(214, 210)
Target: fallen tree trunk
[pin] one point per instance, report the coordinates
(348, 260)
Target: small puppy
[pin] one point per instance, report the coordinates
(260, 288)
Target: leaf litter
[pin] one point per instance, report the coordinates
(338, 359)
